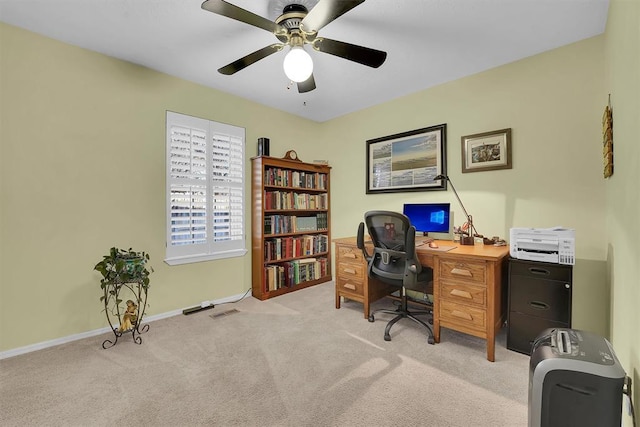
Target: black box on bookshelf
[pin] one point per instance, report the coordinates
(263, 146)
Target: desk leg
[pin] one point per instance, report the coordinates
(491, 350)
(366, 305)
(436, 309)
(491, 340)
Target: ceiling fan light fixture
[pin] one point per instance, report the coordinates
(298, 64)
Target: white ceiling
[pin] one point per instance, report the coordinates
(428, 42)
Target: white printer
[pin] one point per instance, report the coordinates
(555, 245)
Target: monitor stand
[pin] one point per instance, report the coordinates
(426, 239)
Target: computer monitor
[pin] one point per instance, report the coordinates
(428, 217)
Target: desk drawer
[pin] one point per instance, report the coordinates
(350, 270)
(463, 315)
(350, 253)
(463, 292)
(352, 286)
(471, 271)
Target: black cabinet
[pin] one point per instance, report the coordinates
(539, 298)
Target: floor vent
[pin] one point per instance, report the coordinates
(224, 313)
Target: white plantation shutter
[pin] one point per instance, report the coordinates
(227, 187)
(205, 190)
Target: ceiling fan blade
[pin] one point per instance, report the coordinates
(363, 55)
(256, 56)
(326, 11)
(223, 8)
(307, 85)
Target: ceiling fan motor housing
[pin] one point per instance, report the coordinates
(292, 16)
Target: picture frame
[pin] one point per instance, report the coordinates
(407, 161)
(486, 151)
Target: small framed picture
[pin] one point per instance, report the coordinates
(486, 151)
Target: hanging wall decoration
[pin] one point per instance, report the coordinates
(486, 151)
(407, 161)
(607, 139)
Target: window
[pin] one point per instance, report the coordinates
(205, 190)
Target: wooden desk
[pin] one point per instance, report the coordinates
(468, 293)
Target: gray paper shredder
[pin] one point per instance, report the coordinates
(575, 379)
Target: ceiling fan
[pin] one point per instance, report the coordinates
(296, 27)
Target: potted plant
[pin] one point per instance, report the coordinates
(124, 266)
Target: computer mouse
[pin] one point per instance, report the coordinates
(433, 245)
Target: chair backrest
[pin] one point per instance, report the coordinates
(394, 258)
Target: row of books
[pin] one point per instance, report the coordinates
(290, 200)
(291, 273)
(280, 224)
(292, 247)
(294, 178)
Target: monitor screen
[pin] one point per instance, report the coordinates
(428, 217)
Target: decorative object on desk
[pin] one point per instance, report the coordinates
(291, 155)
(467, 231)
(495, 241)
(263, 146)
(486, 151)
(124, 270)
(389, 230)
(407, 161)
(607, 139)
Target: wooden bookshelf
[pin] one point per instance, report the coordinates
(290, 222)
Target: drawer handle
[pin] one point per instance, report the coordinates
(349, 270)
(461, 314)
(349, 286)
(461, 294)
(461, 272)
(539, 305)
(350, 255)
(539, 271)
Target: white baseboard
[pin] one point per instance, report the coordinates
(52, 343)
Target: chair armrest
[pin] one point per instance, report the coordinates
(360, 242)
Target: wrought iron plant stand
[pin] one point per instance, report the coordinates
(130, 319)
(124, 270)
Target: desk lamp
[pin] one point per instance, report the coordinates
(468, 238)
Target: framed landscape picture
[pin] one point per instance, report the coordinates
(486, 151)
(407, 161)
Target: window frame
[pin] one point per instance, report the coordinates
(218, 135)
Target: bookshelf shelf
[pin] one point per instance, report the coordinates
(290, 241)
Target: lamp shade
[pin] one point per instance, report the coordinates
(298, 65)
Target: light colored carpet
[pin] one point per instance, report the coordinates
(290, 361)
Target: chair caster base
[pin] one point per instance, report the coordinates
(431, 340)
(371, 318)
(387, 337)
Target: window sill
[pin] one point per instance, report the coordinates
(208, 257)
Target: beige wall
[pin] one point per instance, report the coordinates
(622, 81)
(553, 104)
(82, 169)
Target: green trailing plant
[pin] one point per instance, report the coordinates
(124, 266)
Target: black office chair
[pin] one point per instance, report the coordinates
(394, 262)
